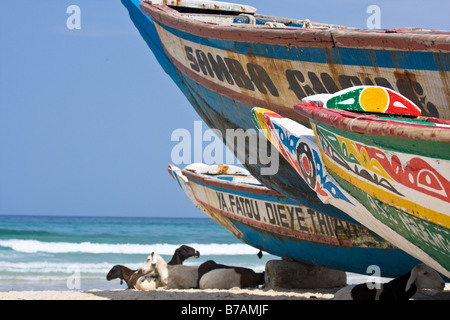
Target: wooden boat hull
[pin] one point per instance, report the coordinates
(224, 104)
(208, 104)
(402, 169)
(276, 67)
(225, 70)
(269, 221)
(299, 146)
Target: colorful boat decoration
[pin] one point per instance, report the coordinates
(275, 224)
(370, 99)
(403, 164)
(372, 161)
(230, 59)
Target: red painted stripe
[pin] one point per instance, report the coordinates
(370, 124)
(286, 36)
(399, 39)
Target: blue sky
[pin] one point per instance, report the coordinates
(86, 116)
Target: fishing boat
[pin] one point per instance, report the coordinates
(275, 224)
(394, 159)
(383, 157)
(202, 102)
(226, 58)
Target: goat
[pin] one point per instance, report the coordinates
(171, 276)
(218, 276)
(207, 266)
(401, 288)
(124, 273)
(131, 276)
(149, 281)
(183, 253)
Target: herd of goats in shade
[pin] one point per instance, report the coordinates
(157, 273)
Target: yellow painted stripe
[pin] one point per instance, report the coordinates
(383, 195)
(259, 112)
(363, 157)
(387, 197)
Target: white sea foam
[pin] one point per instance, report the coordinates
(42, 267)
(47, 270)
(55, 267)
(34, 246)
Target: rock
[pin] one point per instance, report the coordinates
(298, 275)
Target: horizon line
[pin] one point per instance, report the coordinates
(101, 216)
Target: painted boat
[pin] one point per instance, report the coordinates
(399, 163)
(274, 62)
(229, 59)
(275, 224)
(205, 99)
(372, 162)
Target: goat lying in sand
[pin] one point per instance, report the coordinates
(401, 288)
(132, 276)
(149, 281)
(171, 276)
(218, 276)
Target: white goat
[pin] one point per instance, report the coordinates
(149, 281)
(401, 288)
(171, 276)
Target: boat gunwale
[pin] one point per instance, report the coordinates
(172, 18)
(403, 39)
(367, 124)
(243, 187)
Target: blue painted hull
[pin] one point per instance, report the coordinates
(270, 222)
(212, 107)
(392, 263)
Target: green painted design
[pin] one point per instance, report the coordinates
(341, 149)
(407, 120)
(431, 238)
(432, 149)
(347, 101)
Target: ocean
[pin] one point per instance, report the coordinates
(76, 253)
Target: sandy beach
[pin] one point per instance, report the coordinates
(171, 294)
(194, 294)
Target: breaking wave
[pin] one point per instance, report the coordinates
(34, 246)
